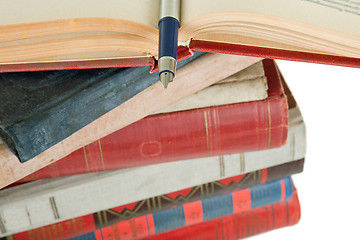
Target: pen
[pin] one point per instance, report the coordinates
(168, 39)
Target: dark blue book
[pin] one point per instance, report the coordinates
(40, 109)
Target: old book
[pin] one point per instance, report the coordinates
(238, 226)
(97, 191)
(73, 34)
(129, 147)
(219, 201)
(146, 102)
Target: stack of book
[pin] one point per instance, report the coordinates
(95, 148)
(215, 164)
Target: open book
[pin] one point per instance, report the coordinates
(53, 31)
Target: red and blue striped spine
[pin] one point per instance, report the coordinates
(196, 212)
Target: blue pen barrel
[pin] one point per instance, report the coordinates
(168, 37)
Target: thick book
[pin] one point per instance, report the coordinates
(124, 33)
(87, 190)
(96, 191)
(235, 226)
(206, 169)
(144, 103)
(139, 143)
(218, 196)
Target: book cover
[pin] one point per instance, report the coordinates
(238, 226)
(182, 201)
(152, 99)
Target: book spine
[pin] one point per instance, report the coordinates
(198, 211)
(70, 228)
(238, 226)
(210, 131)
(272, 53)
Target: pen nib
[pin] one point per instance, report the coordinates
(166, 78)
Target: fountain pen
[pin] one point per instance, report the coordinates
(168, 39)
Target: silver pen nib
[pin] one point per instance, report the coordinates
(166, 78)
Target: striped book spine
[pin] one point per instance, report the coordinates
(198, 211)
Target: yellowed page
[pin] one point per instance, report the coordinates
(25, 11)
(338, 15)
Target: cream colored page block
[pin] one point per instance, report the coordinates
(303, 11)
(20, 11)
(221, 94)
(246, 85)
(254, 71)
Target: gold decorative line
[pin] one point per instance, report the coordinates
(153, 202)
(159, 202)
(54, 230)
(292, 146)
(54, 208)
(222, 229)
(287, 214)
(207, 132)
(148, 203)
(242, 162)
(100, 218)
(112, 212)
(216, 229)
(273, 216)
(105, 217)
(202, 190)
(43, 233)
(269, 143)
(101, 155)
(187, 197)
(11, 237)
(74, 224)
(222, 166)
(2, 226)
(86, 160)
(28, 214)
(128, 211)
(207, 189)
(237, 226)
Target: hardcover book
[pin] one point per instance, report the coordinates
(140, 149)
(67, 34)
(217, 201)
(144, 103)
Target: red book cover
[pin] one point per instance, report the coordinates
(272, 53)
(138, 211)
(242, 225)
(197, 133)
(185, 52)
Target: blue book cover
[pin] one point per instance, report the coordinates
(40, 109)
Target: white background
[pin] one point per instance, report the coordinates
(329, 187)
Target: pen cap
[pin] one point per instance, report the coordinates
(170, 8)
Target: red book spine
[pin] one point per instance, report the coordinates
(242, 225)
(197, 133)
(137, 210)
(61, 230)
(273, 53)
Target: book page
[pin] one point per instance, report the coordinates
(338, 15)
(25, 11)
